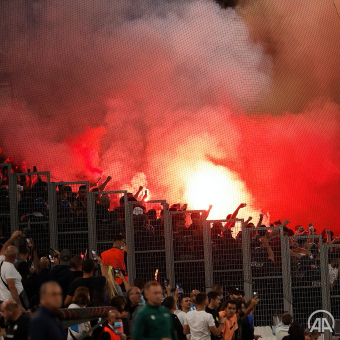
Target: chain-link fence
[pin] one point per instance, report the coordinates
(5, 213)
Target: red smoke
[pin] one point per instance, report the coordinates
(146, 94)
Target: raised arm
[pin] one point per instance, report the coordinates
(136, 195)
(259, 223)
(104, 184)
(9, 242)
(265, 244)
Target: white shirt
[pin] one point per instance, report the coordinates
(199, 323)
(281, 332)
(77, 330)
(8, 271)
(333, 273)
(181, 317)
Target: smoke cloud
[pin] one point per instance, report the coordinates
(150, 91)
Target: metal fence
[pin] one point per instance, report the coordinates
(182, 246)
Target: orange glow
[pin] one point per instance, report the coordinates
(216, 185)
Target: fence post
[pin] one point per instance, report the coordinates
(325, 288)
(286, 273)
(13, 200)
(247, 275)
(52, 214)
(91, 220)
(130, 239)
(208, 262)
(169, 245)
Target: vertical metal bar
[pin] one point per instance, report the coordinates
(130, 239)
(13, 200)
(91, 219)
(247, 275)
(52, 214)
(169, 245)
(325, 288)
(286, 273)
(208, 262)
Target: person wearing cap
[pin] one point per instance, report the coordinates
(115, 257)
(61, 272)
(236, 294)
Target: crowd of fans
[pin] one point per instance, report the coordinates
(36, 280)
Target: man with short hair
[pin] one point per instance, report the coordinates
(199, 323)
(134, 303)
(214, 301)
(281, 330)
(236, 294)
(114, 322)
(17, 321)
(193, 295)
(185, 304)
(77, 266)
(89, 281)
(231, 324)
(153, 321)
(10, 279)
(44, 324)
(61, 271)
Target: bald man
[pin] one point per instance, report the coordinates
(44, 324)
(17, 321)
(10, 279)
(114, 323)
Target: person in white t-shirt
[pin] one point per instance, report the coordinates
(199, 323)
(185, 307)
(10, 279)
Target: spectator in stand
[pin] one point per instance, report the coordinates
(170, 303)
(214, 301)
(10, 284)
(281, 330)
(231, 324)
(153, 321)
(77, 266)
(17, 321)
(200, 324)
(114, 323)
(45, 325)
(79, 206)
(333, 269)
(89, 281)
(61, 272)
(193, 295)
(295, 332)
(80, 299)
(134, 303)
(115, 257)
(234, 215)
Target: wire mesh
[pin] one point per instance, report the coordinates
(72, 216)
(306, 277)
(148, 223)
(188, 249)
(4, 200)
(110, 217)
(32, 210)
(227, 253)
(266, 272)
(334, 281)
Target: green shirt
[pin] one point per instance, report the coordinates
(153, 323)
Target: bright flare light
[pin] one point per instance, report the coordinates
(216, 185)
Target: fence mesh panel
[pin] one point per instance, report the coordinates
(4, 200)
(226, 253)
(188, 249)
(72, 217)
(306, 277)
(33, 213)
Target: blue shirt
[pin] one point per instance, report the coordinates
(44, 325)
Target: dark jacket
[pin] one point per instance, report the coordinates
(63, 275)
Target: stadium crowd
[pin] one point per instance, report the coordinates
(37, 281)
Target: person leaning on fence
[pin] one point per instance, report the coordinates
(10, 280)
(115, 257)
(44, 324)
(153, 321)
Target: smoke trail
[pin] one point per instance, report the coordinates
(124, 87)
